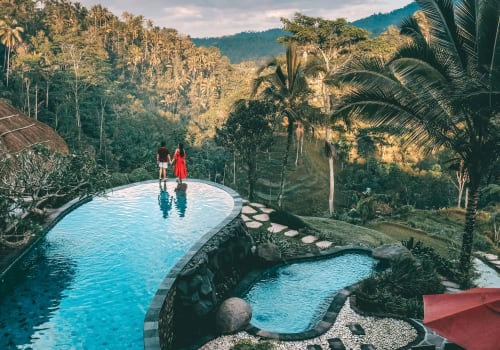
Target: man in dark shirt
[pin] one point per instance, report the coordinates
(163, 158)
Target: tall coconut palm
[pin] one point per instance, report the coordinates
(442, 89)
(10, 35)
(287, 89)
(323, 40)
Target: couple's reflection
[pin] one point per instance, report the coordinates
(165, 201)
(181, 202)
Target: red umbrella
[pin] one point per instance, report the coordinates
(470, 319)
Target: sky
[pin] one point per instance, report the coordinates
(214, 18)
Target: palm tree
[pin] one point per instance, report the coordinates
(442, 89)
(10, 35)
(324, 40)
(287, 90)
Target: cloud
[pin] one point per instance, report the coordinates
(199, 18)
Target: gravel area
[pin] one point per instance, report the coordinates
(383, 333)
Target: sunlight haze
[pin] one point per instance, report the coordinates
(219, 17)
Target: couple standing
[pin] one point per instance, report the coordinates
(178, 161)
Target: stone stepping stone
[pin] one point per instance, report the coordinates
(309, 239)
(495, 262)
(291, 233)
(368, 347)
(450, 290)
(449, 284)
(266, 210)
(253, 224)
(314, 347)
(356, 329)
(275, 228)
(248, 210)
(245, 218)
(324, 244)
(261, 217)
(489, 256)
(257, 205)
(336, 344)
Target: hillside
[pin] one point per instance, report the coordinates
(258, 46)
(377, 23)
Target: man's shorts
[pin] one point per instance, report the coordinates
(163, 165)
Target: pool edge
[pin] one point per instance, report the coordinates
(166, 292)
(338, 301)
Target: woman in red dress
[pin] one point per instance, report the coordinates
(180, 163)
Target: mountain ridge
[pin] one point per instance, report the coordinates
(259, 46)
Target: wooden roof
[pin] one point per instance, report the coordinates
(18, 131)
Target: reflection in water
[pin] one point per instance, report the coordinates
(181, 202)
(165, 201)
(32, 302)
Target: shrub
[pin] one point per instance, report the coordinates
(399, 289)
(139, 174)
(443, 266)
(482, 243)
(118, 179)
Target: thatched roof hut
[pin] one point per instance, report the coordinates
(18, 132)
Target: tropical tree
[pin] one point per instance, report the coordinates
(324, 40)
(10, 34)
(287, 89)
(246, 131)
(442, 89)
(36, 179)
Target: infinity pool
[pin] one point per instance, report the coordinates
(89, 282)
(294, 298)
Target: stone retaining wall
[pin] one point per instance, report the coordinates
(184, 305)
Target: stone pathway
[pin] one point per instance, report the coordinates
(491, 259)
(256, 215)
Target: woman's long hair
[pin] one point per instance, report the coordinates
(181, 149)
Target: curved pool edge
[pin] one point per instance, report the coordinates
(156, 328)
(333, 310)
(57, 214)
(50, 221)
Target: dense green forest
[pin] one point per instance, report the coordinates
(259, 46)
(115, 88)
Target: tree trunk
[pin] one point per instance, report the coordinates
(8, 66)
(251, 176)
(36, 101)
(285, 161)
(234, 168)
(332, 171)
(459, 202)
(468, 235)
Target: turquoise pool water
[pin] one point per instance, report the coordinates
(89, 283)
(294, 298)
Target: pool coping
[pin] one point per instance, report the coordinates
(151, 335)
(338, 301)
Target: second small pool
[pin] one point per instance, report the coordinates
(293, 298)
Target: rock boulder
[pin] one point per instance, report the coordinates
(233, 316)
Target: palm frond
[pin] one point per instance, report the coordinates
(466, 13)
(488, 40)
(443, 29)
(411, 27)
